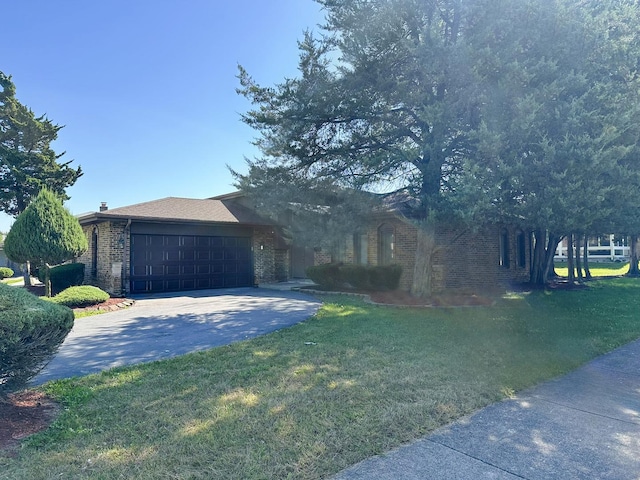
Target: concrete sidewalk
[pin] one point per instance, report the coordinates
(585, 425)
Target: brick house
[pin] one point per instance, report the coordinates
(489, 257)
(176, 244)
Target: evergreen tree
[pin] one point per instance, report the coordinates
(560, 119)
(488, 110)
(45, 234)
(382, 103)
(27, 161)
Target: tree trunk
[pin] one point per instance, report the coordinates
(47, 280)
(570, 265)
(579, 258)
(585, 257)
(634, 271)
(543, 253)
(27, 274)
(552, 244)
(538, 264)
(423, 267)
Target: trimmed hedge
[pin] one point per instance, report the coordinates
(385, 277)
(359, 277)
(31, 330)
(326, 275)
(6, 272)
(64, 276)
(81, 296)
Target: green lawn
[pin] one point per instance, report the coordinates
(598, 269)
(371, 379)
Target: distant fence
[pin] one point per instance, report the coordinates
(602, 249)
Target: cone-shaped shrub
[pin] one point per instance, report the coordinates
(45, 234)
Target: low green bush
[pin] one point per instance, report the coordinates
(6, 272)
(360, 277)
(31, 330)
(385, 277)
(64, 276)
(326, 275)
(81, 296)
(356, 276)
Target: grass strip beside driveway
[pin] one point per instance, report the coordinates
(305, 402)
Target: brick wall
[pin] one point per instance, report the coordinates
(111, 273)
(470, 260)
(264, 254)
(467, 260)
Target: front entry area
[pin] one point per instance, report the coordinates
(165, 263)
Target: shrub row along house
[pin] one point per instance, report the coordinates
(176, 244)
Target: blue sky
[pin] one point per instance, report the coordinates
(146, 88)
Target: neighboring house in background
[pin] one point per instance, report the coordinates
(175, 244)
(602, 248)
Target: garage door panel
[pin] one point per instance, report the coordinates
(188, 269)
(139, 270)
(172, 240)
(203, 269)
(187, 241)
(187, 255)
(202, 241)
(173, 270)
(172, 255)
(174, 262)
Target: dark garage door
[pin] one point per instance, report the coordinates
(164, 263)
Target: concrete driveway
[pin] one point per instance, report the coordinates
(166, 325)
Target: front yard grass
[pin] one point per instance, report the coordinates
(305, 402)
(597, 269)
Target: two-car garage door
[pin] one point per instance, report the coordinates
(163, 263)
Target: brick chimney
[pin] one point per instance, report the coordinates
(103, 206)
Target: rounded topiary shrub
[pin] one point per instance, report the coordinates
(64, 276)
(31, 330)
(82, 296)
(6, 272)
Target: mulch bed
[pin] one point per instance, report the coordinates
(110, 305)
(23, 414)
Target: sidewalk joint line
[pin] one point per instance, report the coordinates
(477, 459)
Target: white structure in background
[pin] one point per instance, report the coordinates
(603, 248)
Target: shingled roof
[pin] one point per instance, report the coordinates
(174, 209)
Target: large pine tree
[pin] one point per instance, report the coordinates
(481, 109)
(27, 160)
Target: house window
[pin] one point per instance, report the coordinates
(360, 248)
(94, 253)
(504, 248)
(521, 252)
(338, 251)
(386, 247)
